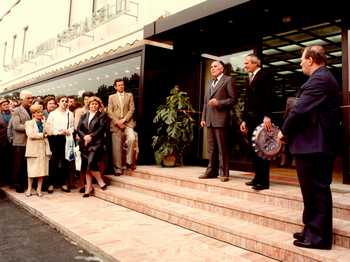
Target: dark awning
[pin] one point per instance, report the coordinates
(241, 19)
(189, 15)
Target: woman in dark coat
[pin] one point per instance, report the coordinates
(91, 130)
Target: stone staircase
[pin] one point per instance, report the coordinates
(262, 222)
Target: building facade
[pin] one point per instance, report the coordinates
(80, 45)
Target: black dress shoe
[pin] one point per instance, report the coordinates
(259, 187)
(89, 194)
(205, 176)
(298, 236)
(65, 189)
(307, 244)
(104, 187)
(224, 178)
(250, 183)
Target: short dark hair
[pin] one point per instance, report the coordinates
(317, 53)
(118, 80)
(58, 98)
(88, 94)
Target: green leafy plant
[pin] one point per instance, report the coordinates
(174, 126)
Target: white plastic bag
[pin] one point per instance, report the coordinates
(70, 148)
(77, 156)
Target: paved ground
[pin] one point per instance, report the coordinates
(24, 238)
(120, 234)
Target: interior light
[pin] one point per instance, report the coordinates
(271, 51)
(314, 42)
(285, 72)
(278, 63)
(289, 48)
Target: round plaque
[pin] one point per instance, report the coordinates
(266, 144)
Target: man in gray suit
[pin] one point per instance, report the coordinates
(218, 103)
(20, 115)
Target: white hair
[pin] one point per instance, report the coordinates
(24, 94)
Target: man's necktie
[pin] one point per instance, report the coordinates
(251, 78)
(212, 87)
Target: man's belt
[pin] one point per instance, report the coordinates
(265, 143)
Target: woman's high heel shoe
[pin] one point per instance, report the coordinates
(89, 194)
(104, 187)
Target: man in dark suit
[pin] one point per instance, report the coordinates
(256, 111)
(311, 129)
(218, 103)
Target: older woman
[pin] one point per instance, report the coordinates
(91, 129)
(37, 150)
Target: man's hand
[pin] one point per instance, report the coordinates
(281, 138)
(267, 123)
(203, 123)
(243, 127)
(213, 102)
(120, 123)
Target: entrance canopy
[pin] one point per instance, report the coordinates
(233, 23)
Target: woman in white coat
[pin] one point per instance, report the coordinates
(37, 150)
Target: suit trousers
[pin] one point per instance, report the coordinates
(217, 151)
(19, 171)
(262, 171)
(315, 176)
(58, 165)
(122, 140)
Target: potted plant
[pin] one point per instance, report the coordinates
(174, 128)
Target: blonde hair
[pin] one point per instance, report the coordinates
(95, 99)
(36, 108)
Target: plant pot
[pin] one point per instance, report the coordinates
(169, 161)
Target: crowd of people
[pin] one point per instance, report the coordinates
(38, 137)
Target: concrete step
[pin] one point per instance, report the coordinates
(285, 219)
(279, 195)
(114, 233)
(269, 242)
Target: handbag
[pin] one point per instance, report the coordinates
(77, 156)
(69, 148)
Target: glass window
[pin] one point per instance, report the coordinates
(99, 79)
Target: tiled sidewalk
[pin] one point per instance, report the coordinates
(116, 233)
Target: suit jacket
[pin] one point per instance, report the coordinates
(37, 144)
(258, 99)
(116, 111)
(19, 117)
(3, 132)
(96, 129)
(311, 126)
(224, 92)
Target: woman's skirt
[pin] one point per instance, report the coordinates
(38, 166)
